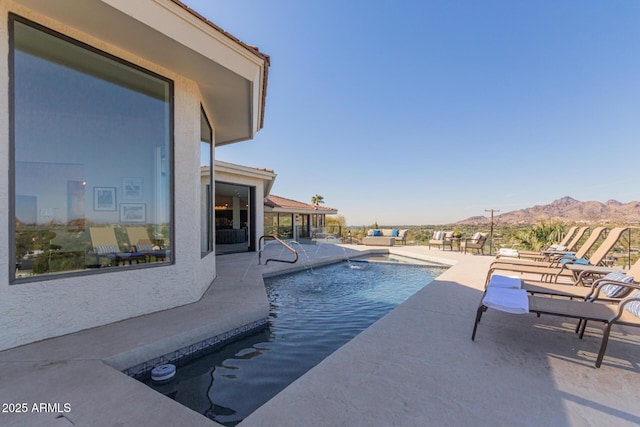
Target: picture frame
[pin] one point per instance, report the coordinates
(133, 212)
(104, 198)
(131, 188)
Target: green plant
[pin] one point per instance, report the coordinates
(541, 235)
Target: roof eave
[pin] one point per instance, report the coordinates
(231, 75)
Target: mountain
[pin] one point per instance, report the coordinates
(567, 209)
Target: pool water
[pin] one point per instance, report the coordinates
(312, 314)
(395, 259)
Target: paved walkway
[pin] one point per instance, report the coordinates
(416, 366)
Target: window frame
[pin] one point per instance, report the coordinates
(210, 195)
(13, 280)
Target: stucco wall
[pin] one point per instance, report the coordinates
(38, 310)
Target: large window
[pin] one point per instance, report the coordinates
(91, 158)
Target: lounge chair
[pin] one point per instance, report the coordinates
(141, 243)
(626, 313)
(610, 282)
(554, 261)
(568, 235)
(564, 268)
(552, 258)
(105, 245)
(547, 253)
(476, 242)
(610, 287)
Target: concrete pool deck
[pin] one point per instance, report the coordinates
(415, 366)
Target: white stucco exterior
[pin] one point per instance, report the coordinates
(42, 309)
(259, 179)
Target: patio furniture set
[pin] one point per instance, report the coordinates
(385, 237)
(445, 239)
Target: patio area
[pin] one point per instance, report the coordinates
(416, 366)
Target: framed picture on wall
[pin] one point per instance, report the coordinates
(133, 212)
(131, 188)
(104, 198)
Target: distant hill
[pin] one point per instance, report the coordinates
(567, 209)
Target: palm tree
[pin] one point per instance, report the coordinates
(317, 200)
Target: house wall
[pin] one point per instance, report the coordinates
(38, 310)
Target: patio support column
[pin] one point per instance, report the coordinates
(236, 212)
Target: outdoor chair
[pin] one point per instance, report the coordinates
(402, 236)
(609, 282)
(476, 242)
(610, 286)
(141, 243)
(565, 266)
(105, 245)
(568, 235)
(626, 313)
(596, 258)
(442, 239)
(568, 243)
(573, 242)
(551, 258)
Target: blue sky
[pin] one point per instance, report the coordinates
(429, 112)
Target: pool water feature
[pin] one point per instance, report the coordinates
(312, 314)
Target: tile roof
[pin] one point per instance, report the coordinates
(283, 203)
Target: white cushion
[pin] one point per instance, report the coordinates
(509, 252)
(559, 248)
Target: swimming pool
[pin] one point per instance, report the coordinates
(312, 314)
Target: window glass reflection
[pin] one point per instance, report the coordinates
(92, 159)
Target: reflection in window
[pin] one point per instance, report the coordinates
(285, 226)
(278, 224)
(304, 228)
(92, 147)
(270, 224)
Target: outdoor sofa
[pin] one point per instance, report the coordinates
(385, 237)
